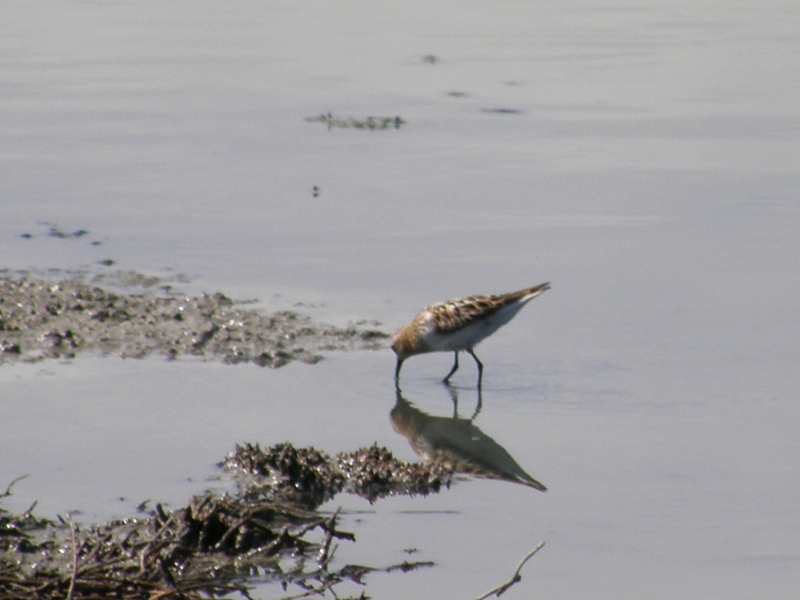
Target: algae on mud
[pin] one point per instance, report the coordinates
(51, 319)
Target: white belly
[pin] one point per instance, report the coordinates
(471, 335)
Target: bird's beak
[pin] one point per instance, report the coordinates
(397, 370)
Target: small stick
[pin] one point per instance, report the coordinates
(10, 485)
(500, 590)
(74, 559)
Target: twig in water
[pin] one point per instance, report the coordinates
(29, 513)
(74, 574)
(501, 589)
(10, 485)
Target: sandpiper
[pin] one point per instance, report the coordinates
(458, 325)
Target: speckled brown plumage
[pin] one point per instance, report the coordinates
(458, 325)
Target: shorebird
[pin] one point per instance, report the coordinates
(458, 325)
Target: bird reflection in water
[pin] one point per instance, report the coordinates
(456, 443)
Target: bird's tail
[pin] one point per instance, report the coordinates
(527, 294)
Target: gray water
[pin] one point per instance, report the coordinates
(642, 157)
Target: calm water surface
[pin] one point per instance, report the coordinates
(641, 157)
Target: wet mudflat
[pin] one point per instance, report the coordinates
(51, 319)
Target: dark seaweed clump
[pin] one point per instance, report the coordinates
(375, 473)
(306, 476)
(267, 531)
(310, 477)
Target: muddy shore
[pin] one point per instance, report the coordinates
(42, 319)
(268, 530)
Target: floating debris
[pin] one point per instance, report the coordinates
(371, 123)
(503, 111)
(54, 231)
(63, 235)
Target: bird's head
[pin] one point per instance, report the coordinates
(403, 343)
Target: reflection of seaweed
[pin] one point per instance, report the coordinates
(371, 123)
(207, 548)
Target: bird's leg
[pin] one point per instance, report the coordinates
(453, 370)
(397, 372)
(480, 367)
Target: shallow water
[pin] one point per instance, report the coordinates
(642, 158)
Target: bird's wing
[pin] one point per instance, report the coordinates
(457, 314)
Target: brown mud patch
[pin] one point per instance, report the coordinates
(268, 531)
(58, 319)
